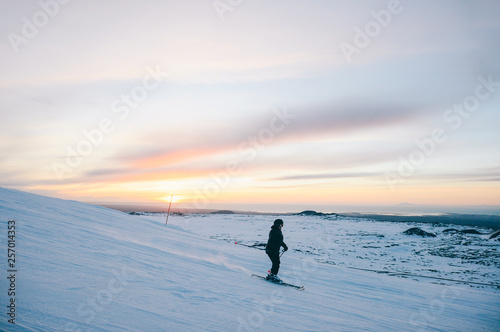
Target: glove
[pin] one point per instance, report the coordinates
(285, 248)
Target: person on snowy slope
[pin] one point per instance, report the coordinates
(273, 246)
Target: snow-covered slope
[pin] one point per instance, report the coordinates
(462, 253)
(86, 268)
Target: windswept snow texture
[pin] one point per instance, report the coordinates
(455, 253)
(87, 268)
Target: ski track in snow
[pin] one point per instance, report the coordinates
(87, 268)
(366, 244)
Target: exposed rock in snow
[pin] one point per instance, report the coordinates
(419, 232)
(495, 235)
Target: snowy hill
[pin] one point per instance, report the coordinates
(453, 254)
(85, 268)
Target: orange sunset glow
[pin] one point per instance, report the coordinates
(268, 107)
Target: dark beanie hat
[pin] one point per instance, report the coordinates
(278, 222)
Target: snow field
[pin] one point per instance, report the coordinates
(366, 244)
(87, 268)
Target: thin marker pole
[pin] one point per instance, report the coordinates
(168, 214)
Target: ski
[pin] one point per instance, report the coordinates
(279, 283)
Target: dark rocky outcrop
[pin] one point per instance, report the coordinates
(470, 231)
(418, 232)
(314, 213)
(495, 235)
(465, 231)
(310, 213)
(222, 212)
(136, 213)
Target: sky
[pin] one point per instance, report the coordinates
(252, 104)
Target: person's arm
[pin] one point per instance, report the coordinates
(283, 244)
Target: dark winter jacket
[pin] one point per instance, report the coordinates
(275, 240)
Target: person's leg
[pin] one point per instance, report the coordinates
(270, 255)
(275, 259)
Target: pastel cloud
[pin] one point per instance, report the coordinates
(351, 121)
